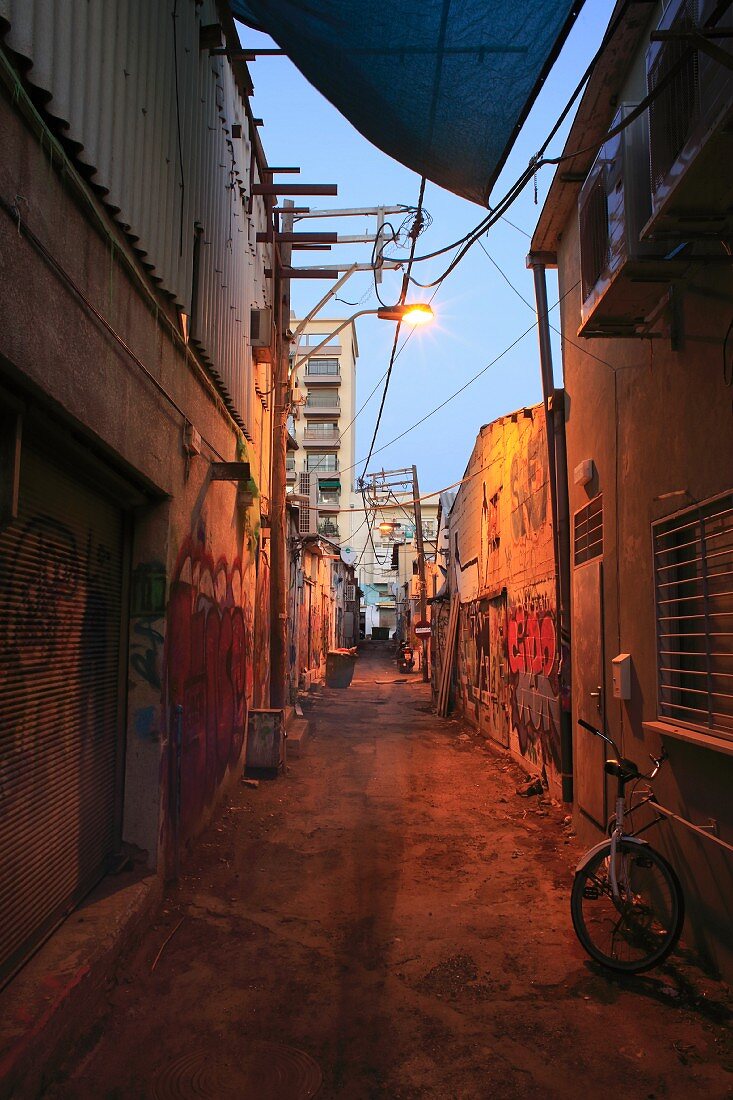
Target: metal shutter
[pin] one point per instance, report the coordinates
(60, 614)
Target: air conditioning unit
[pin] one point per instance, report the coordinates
(261, 335)
(622, 278)
(308, 510)
(691, 127)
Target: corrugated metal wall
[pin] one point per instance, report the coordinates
(126, 78)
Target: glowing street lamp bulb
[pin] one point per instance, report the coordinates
(419, 313)
(386, 528)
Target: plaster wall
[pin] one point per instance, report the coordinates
(657, 424)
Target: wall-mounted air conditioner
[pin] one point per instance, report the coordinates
(261, 334)
(622, 278)
(691, 126)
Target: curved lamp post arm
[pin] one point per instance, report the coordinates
(336, 331)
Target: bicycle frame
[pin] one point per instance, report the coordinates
(624, 774)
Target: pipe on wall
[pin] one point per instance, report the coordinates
(553, 401)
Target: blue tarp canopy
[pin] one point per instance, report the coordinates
(441, 85)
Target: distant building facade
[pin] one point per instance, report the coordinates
(322, 426)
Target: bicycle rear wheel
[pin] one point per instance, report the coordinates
(637, 930)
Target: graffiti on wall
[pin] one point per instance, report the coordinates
(484, 676)
(210, 668)
(528, 487)
(533, 673)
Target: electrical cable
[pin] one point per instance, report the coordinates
(558, 332)
(23, 230)
(414, 233)
(539, 161)
(465, 386)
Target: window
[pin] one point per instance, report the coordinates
(693, 573)
(588, 532)
(313, 339)
(322, 462)
(322, 366)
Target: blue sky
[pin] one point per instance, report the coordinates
(477, 314)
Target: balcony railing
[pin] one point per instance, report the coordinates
(330, 530)
(319, 401)
(321, 435)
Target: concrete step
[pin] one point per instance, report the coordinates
(297, 736)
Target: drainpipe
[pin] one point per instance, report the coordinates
(558, 475)
(279, 550)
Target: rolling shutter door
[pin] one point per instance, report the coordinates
(60, 614)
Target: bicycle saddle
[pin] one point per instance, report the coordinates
(623, 769)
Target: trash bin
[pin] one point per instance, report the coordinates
(339, 667)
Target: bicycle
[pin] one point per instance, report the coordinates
(626, 904)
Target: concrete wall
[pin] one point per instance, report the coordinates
(657, 424)
(123, 395)
(502, 568)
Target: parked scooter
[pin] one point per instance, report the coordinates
(406, 658)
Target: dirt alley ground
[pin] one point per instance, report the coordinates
(390, 916)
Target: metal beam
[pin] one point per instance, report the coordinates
(295, 189)
(303, 273)
(300, 238)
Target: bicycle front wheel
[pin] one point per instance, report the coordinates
(637, 930)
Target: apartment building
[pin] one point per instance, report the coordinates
(384, 553)
(322, 466)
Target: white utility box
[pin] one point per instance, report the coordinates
(621, 668)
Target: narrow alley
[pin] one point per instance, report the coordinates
(389, 919)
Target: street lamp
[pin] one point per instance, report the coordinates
(410, 313)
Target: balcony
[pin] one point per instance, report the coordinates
(320, 404)
(321, 436)
(323, 372)
(329, 502)
(328, 529)
(290, 474)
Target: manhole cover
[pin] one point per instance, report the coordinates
(258, 1071)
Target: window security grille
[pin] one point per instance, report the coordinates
(350, 593)
(322, 366)
(304, 512)
(693, 566)
(588, 532)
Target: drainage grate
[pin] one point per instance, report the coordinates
(260, 1071)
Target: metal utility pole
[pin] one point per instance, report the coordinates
(390, 483)
(421, 570)
(278, 518)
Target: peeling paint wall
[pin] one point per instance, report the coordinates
(502, 568)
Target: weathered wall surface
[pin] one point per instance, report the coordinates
(502, 567)
(198, 579)
(657, 424)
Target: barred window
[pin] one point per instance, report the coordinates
(693, 565)
(588, 532)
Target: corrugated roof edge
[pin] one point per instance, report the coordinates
(592, 119)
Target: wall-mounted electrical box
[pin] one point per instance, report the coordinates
(583, 472)
(621, 669)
